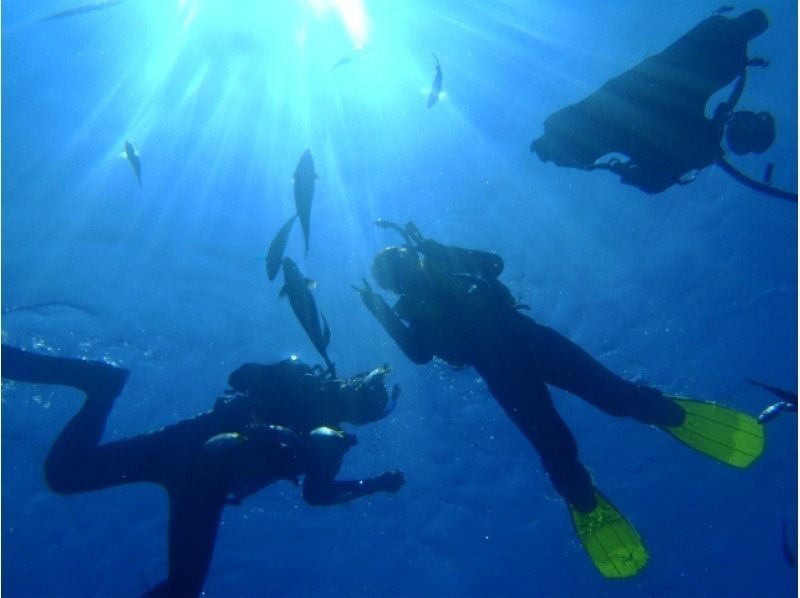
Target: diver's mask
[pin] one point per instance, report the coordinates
(395, 268)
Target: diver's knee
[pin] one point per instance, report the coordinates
(57, 477)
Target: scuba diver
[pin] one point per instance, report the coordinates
(277, 422)
(654, 114)
(452, 306)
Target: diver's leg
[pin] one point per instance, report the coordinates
(194, 513)
(531, 409)
(76, 463)
(564, 364)
(92, 377)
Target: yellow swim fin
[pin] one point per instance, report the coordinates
(720, 432)
(609, 539)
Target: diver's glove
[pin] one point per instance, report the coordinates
(388, 481)
(377, 305)
(372, 301)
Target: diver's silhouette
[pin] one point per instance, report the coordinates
(278, 422)
(654, 114)
(453, 307)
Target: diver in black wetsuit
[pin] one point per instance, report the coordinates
(453, 307)
(654, 113)
(279, 422)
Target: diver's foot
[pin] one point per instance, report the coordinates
(582, 500)
(101, 380)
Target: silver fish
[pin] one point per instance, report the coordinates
(78, 10)
(277, 247)
(296, 288)
(436, 87)
(133, 158)
(304, 180)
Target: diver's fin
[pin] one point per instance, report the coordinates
(609, 539)
(720, 432)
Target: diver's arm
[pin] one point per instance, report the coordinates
(736, 94)
(408, 342)
(322, 491)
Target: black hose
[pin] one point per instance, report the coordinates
(756, 185)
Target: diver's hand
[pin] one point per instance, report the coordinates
(390, 481)
(369, 298)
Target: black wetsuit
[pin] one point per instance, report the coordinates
(204, 463)
(471, 320)
(655, 113)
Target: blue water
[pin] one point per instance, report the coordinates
(693, 290)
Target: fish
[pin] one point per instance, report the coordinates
(277, 247)
(348, 58)
(771, 412)
(768, 170)
(133, 158)
(78, 10)
(784, 395)
(788, 401)
(789, 552)
(436, 87)
(296, 288)
(304, 179)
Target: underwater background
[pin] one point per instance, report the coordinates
(693, 291)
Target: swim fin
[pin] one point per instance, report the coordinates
(609, 539)
(720, 432)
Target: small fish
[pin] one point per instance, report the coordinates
(784, 395)
(78, 10)
(772, 412)
(348, 58)
(436, 87)
(788, 401)
(277, 247)
(133, 158)
(304, 180)
(768, 170)
(787, 548)
(296, 287)
(342, 61)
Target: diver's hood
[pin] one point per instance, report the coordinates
(750, 133)
(752, 23)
